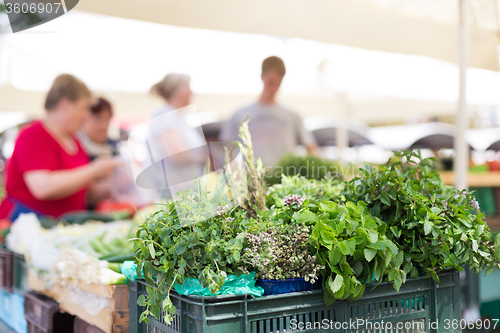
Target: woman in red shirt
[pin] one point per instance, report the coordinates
(49, 173)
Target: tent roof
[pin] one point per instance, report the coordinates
(425, 27)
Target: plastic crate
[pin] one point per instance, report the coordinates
(39, 311)
(6, 263)
(81, 326)
(20, 275)
(5, 307)
(420, 302)
(18, 323)
(486, 198)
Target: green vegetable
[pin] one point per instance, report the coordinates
(436, 227)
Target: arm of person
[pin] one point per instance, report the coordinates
(50, 185)
(99, 191)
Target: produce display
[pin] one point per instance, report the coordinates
(73, 254)
(397, 221)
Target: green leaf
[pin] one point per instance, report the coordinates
(385, 198)
(395, 231)
(180, 249)
(376, 209)
(343, 248)
(351, 245)
(483, 254)
(497, 239)
(377, 272)
(391, 246)
(357, 267)
(372, 236)
(328, 237)
(141, 300)
(474, 245)
(479, 230)
(435, 277)
(336, 284)
(414, 272)
(407, 267)
(334, 256)
(305, 217)
(397, 282)
(489, 270)
(380, 245)
(151, 249)
(427, 227)
(370, 254)
(399, 260)
(392, 274)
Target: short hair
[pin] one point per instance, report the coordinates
(274, 63)
(65, 86)
(169, 84)
(100, 106)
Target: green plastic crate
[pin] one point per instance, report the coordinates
(20, 274)
(486, 199)
(419, 302)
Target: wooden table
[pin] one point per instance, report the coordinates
(476, 179)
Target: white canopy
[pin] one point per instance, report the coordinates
(423, 27)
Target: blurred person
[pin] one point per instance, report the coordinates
(94, 133)
(95, 141)
(275, 129)
(49, 173)
(183, 145)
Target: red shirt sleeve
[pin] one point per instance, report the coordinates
(36, 151)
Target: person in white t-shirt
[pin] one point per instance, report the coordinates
(274, 128)
(177, 149)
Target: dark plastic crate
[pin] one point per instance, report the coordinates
(419, 302)
(39, 311)
(6, 263)
(20, 274)
(81, 326)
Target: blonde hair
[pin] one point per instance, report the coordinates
(65, 86)
(168, 86)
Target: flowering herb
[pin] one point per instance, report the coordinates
(281, 252)
(293, 201)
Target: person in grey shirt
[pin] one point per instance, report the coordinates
(275, 129)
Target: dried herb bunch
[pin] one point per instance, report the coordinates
(255, 174)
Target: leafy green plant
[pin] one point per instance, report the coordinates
(309, 167)
(352, 245)
(168, 250)
(312, 190)
(436, 227)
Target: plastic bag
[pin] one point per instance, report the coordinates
(91, 303)
(129, 269)
(234, 285)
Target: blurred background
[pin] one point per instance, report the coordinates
(367, 77)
